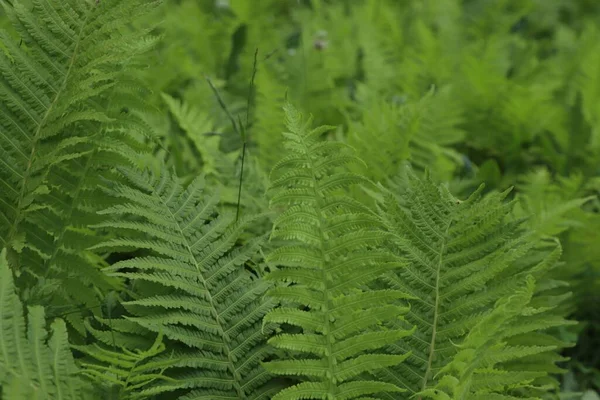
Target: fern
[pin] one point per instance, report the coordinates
(219, 168)
(32, 363)
(396, 291)
(332, 248)
(560, 207)
(269, 117)
(421, 130)
(462, 257)
(199, 130)
(471, 373)
(50, 88)
(193, 287)
(63, 83)
(129, 371)
(551, 206)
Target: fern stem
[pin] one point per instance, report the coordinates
(75, 199)
(435, 311)
(239, 197)
(223, 106)
(72, 206)
(332, 386)
(250, 89)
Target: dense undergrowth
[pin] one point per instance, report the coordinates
(299, 199)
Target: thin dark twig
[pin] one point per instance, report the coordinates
(272, 53)
(244, 130)
(238, 127)
(62, 315)
(223, 105)
(239, 197)
(112, 332)
(249, 101)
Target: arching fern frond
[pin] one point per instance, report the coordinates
(51, 87)
(63, 84)
(216, 165)
(552, 205)
(332, 249)
(34, 365)
(269, 117)
(193, 286)
(463, 256)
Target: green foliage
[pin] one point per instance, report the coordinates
(138, 140)
(471, 373)
(429, 127)
(129, 371)
(33, 364)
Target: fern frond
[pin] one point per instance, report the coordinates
(61, 125)
(128, 371)
(34, 364)
(193, 288)
(420, 130)
(471, 373)
(199, 129)
(51, 86)
(551, 205)
(269, 115)
(464, 256)
(331, 249)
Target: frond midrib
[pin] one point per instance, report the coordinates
(58, 241)
(326, 292)
(436, 307)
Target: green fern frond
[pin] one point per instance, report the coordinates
(34, 364)
(463, 256)
(113, 332)
(471, 373)
(129, 371)
(420, 130)
(199, 129)
(52, 87)
(63, 83)
(552, 205)
(331, 249)
(269, 117)
(218, 166)
(193, 287)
